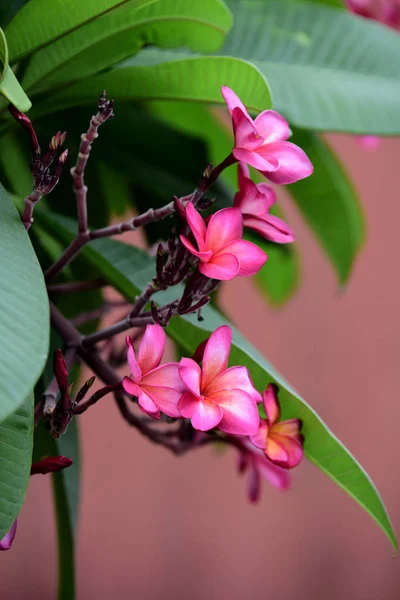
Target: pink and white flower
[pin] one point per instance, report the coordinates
(255, 201)
(157, 388)
(280, 440)
(221, 251)
(6, 542)
(218, 396)
(262, 143)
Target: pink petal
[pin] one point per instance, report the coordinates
(275, 475)
(225, 226)
(6, 542)
(132, 362)
(166, 399)
(232, 100)
(190, 374)
(276, 451)
(284, 451)
(260, 438)
(254, 159)
(255, 200)
(271, 404)
(130, 386)
(272, 126)
(234, 378)
(196, 224)
(290, 428)
(251, 258)
(240, 413)
(151, 348)
(271, 228)
(203, 256)
(246, 135)
(254, 485)
(223, 267)
(204, 414)
(216, 355)
(147, 404)
(243, 174)
(294, 164)
(166, 375)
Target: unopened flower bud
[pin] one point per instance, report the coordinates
(60, 371)
(51, 464)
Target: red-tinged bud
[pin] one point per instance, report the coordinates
(207, 171)
(106, 107)
(60, 372)
(84, 389)
(51, 464)
(180, 208)
(154, 313)
(57, 140)
(26, 122)
(63, 157)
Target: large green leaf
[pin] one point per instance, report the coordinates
(279, 277)
(24, 313)
(328, 69)
(191, 79)
(120, 33)
(129, 269)
(329, 204)
(40, 22)
(16, 435)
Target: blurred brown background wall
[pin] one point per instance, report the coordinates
(155, 527)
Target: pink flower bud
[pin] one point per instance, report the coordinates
(51, 464)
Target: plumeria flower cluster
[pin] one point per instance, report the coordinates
(215, 397)
(209, 400)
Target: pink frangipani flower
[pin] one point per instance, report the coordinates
(281, 441)
(254, 460)
(218, 396)
(221, 251)
(254, 201)
(158, 388)
(262, 143)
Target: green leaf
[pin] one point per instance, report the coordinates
(117, 35)
(115, 259)
(280, 275)
(9, 86)
(329, 204)
(40, 22)
(16, 436)
(24, 311)
(328, 69)
(191, 79)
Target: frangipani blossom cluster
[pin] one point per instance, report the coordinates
(215, 396)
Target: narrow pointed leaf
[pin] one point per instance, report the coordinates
(24, 311)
